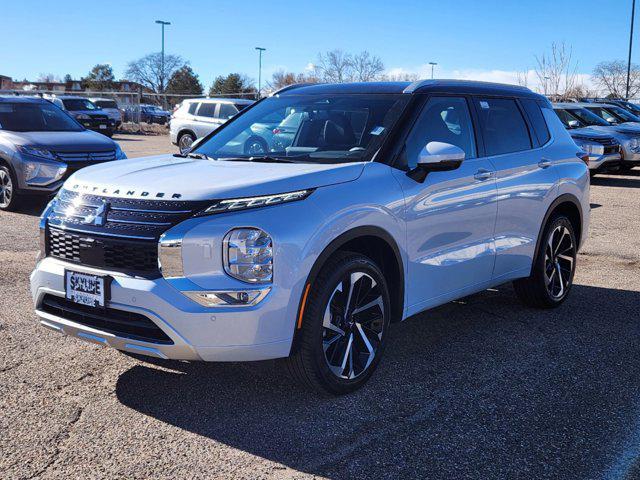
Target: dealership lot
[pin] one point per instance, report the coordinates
(479, 388)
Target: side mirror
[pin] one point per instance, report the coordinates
(610, 120)
(436, 157)
(574, 123)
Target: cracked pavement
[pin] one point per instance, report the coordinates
(479, 388)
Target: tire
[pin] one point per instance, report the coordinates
(185, 140)
(8, 189)
(256, 146)
(331, 355)
(553, 267)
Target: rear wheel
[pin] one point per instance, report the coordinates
(185, 141)
(554, 266)
(344, 327)
(8, 186)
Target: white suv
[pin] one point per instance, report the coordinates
(198, 117)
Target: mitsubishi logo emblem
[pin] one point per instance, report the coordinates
(99, 217)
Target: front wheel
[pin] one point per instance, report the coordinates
(185, 142)
(8, 186)
(553, 268)
(344, 326)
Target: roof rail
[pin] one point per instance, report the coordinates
(423, 83)
(291, 87)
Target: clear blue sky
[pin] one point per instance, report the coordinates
(481, 38)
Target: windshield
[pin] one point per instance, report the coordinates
(106, 104)
(581, 115)
(78, 104)
(618, 113)
(36, 117)
(309, 128)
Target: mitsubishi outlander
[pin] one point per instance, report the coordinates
(389, 199)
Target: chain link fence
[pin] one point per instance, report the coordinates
(139, 111)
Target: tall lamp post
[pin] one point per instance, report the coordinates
(633, 13)
(433, 64)
(163, 23)
(260, 50)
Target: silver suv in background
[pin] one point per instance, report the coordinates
(574, 116)
(110, 107)
(198, 117)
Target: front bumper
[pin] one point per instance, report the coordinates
(196, 332)
(603, 162)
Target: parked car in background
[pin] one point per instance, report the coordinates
(110, 107)
(153, 114)
(629, 106)
(86, 112)
(198, 117)
(613, 114)
(41, 146)
(575, 116)
(392, 198)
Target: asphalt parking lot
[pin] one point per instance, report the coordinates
(480, 388)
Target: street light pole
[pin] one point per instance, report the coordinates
(163, 23)
(633, 13)
(433, 64)
(260, 50)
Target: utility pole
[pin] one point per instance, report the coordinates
(260, 50)
(162, 85)
(433, 64)
(633, 13)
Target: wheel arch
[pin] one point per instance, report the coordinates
(375, 243)
(184, 131)
(568, 205)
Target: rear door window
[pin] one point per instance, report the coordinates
(227, 110)
(503, 126)
(536, 118)
(208, 110)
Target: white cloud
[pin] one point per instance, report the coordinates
(499, 76)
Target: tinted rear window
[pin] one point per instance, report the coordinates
(503, 126)
(537, 120)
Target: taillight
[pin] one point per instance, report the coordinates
(584, 156)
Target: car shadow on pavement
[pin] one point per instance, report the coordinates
(629, 179)
(33, 205)
(479, 388)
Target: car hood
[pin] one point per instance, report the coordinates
(84, 141)
(169, 177)
(613, 129)
(588, 132)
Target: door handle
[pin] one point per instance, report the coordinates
(544, 163)
(483, 174)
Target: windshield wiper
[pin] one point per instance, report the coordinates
(260, 159)
(198, 155)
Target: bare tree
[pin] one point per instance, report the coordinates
(400, 77)
(366, 67)
(281, 79)
(48, 78)
(152, 72)
(335, 66)
(556, 72)
(522, 77)
(612, 78)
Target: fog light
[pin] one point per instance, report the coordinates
(231, 298)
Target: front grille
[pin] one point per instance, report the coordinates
(110, 320)
(90, 157)
(113, 233)
(137, 257)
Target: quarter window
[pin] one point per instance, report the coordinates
(537, 120)
(503, 127)
(192, 107)
(443, 119)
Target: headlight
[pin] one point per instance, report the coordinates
(36, 152)
(254, 202)
(82, 116)
(634, 143)
(590, 147)
(43, 173)
(120, 155)
(248, 255)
